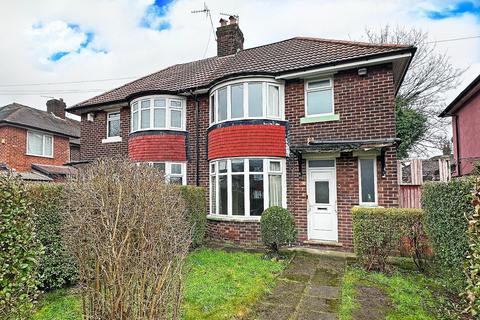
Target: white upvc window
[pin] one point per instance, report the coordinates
(255, 98)
(367, 181)
(175, 172)
(245, 187)
(39, 144)
(113, 124)
(319, 97)
(160, 112)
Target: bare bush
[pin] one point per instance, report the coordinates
(129, 233)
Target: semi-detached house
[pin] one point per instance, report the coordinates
(304, 123)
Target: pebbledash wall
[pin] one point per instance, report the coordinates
(13, 150)
(365, 105)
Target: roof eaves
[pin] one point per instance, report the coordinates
(24, 126)
(457, 102)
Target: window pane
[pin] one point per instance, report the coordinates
(135, 106)
(176, 168)
(113, 127)
(145, 123)
(237, 165)
(275, 192)
(273, 101)
(176, 180)
(321, 163)
(222, 166)
(159, 118)
(135, 121)
(238, 198)
(212, 168)
(275, 166)
(48, 146)
(145, 104)
(367, 179)
(319, 84)
(319, 102)
(212, 108)
(176, 119)
(159, 165)
(223, 196)
(256, 194)
(213, 195)
(255, 99)
(237, 101)
(35, 143)
(159, 103)
(176, 103)
(256, 165)
(222, 104)
(322, 192)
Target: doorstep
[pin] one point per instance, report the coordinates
(323, 252)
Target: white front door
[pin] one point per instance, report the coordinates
(322, 204)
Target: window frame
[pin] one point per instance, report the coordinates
(168, 111)
(168, 170)
(266, 83)
(108, 124)
(44, 136)
(307, 90)
(362, 203)
(214, 176)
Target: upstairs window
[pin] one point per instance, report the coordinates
(113, 124)
(39, 144)
(157, 113)
(245, 99)
(319, 97)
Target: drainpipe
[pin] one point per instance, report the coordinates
(197, 140)
(457, 143)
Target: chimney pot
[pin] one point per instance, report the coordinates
(223, 22)
(232, 19)
(57, 107)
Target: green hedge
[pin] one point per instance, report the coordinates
(446, 207)
(472, 265)
(195, 199)
(57, 267)
(19, 251)
(277, 227)
(377, 232)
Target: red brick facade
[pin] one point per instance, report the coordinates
(13, 150)
(247, 140)
(157, 147)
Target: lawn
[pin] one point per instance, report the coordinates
(399, 295)
(218, 285)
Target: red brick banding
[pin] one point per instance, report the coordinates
(157, 147)
(245, 140)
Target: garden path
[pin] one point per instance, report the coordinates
(309, 289)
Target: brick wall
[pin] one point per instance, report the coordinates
(157, 146)
(235, 232)
(202, 138)
(74, 153)
(92, 133)
(13, 151)
(247, 140)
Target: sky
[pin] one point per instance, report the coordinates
(73, 49)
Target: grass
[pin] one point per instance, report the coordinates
(412, 294)
(218, 285)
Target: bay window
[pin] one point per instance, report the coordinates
(245, 187)
(319, 97)
(367, 173)
(39, 144)
(157, 113)
(175, 172)
(247, 99)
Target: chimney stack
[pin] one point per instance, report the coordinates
(57, 107)
(229, 37)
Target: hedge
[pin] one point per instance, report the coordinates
(277, 227)
(377, 232)
(446, 207)
(19, 251)
(472, 265)
(195, 200)
(57, 267)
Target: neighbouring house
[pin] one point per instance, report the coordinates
(37, 144)
(465, 113)
(304, 123)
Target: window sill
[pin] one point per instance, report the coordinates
(216, 217)
(112, 139)
(38, 155)
(368, 205)
(326, 118)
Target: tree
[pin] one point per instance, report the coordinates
(422, 94)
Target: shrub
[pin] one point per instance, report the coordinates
(57, 266)
(377, 233)
(19, 250)
(277, 227)
(130, 235)
(472, 265)
(196, 207)
(446, 205)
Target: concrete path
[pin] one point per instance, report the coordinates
(308, 289)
